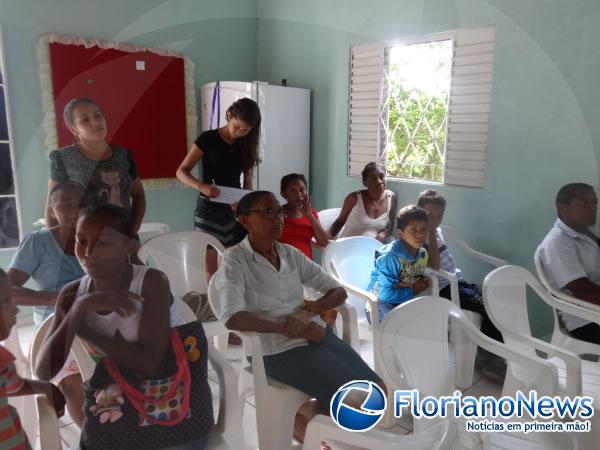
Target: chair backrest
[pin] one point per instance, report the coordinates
(185, 311)
(412, 330)
(452, 238)
(351, 259)
(213, 297)
(505, 298)
(37, 340)
(413, 349)
(328, 216)
(182, 257)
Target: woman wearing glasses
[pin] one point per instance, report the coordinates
(260, 283)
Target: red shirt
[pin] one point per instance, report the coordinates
(12, 436)
(299, 233)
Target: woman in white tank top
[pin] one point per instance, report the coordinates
(119, 310)
(368, 212)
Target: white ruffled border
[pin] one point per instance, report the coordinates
(45, 73)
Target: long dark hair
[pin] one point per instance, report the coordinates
(247, 110)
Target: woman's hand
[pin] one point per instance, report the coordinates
(307, 206)
(210, 190)
(123, 302)
(56, 398)
(296, 323)
(314, 333)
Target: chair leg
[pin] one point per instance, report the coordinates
(275, 416)
(465, 351)
(222, 341)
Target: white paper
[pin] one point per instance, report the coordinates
(229, 195)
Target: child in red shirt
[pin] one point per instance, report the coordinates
(12, 436)
(301, 222)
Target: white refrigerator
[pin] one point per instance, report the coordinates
(285, 127)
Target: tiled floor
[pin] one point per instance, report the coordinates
(70, 432)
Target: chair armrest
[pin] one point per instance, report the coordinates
(513, 354)
(48, 424)
(253, 348)
(350, 326)
(575, 306)
(451, 235)
(230, 411)
(571, 360)
(453, 279)
(368, 297)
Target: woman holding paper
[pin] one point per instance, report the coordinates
(226, 154)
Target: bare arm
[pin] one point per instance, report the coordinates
(184, 173)
(384, 234)
(584, 289)
(145, 356)
(332, 299)
(248, 179)
(138, 203)
(321, 236)
(349, 203)
(248, 321)
(432, 249)
(50, 222)
(33, 387)
(58, 340)
(25, 296)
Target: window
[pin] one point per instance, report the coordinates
(9, 221)
(421, 106)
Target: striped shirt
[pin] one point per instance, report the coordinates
(447, 262)
(12, 436)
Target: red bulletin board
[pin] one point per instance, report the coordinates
(141, 93)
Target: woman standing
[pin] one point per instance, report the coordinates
(227, 153)
(108, 173)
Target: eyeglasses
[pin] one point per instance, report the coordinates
(268, 213)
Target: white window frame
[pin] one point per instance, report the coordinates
(11, 144)
(468, 105)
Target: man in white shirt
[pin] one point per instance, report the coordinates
(570, 254)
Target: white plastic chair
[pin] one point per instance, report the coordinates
(46, 415)
(440, 436)
(228, 432)
(350, 261)
(327, 217)
(559, 301)
(150, 229)
(505, 297)
(414, 343)
(181, 256)
(22, 404)
(465, 350)
(452, 238)
(276, 403)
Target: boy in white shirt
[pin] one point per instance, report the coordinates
(469, 293)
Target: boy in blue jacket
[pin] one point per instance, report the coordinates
(398, 275)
